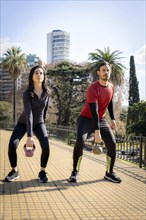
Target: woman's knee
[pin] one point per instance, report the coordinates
(13, 144)
(45, 146)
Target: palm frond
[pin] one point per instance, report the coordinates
(112, 58)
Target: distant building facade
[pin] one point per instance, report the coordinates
(6, 83)
(33, 59)
(58, 46)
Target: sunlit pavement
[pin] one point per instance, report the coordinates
(91, 198)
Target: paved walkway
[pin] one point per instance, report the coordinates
(91, 198)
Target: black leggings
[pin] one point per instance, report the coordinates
(19, 131)
(85, 127)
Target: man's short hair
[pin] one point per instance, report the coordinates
(102, 63)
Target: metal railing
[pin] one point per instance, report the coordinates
(132, 149)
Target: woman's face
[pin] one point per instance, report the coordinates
(38, 75)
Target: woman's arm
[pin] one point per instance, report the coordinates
(45, 110)
(28, 113)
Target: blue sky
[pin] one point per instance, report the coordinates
(92, 25)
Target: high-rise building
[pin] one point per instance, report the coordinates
(58, 46)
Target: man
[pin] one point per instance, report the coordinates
(99, 97)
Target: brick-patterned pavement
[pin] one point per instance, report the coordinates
(91, 198)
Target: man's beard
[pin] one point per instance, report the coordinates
(105, 79)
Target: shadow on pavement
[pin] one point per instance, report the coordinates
(17, 187)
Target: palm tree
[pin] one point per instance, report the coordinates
(111, 57)
(14, 62)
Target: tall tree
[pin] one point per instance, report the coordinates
(14, 62)
(111, 57)
(133, 91)
(133, 84)
(68, 82)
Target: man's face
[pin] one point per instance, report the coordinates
(104, 72)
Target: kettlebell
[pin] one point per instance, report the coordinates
(29, 151)
(97, 148)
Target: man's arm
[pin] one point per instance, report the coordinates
(111, 113)
(95, 117)
(111, 110)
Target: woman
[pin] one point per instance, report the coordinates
(32, 120)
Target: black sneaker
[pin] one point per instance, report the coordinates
(43, 176)
(13, 175)
(74, 177)
(112, 177)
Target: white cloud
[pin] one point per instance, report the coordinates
(6, 43)
(140, 55)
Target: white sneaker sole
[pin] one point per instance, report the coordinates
(11, 180)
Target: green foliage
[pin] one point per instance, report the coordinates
(68, 82)
(5, 111)
(133, 98)
(14, 62)
(111, 57)
(133, 84)
(123, 115)
(137, 120)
